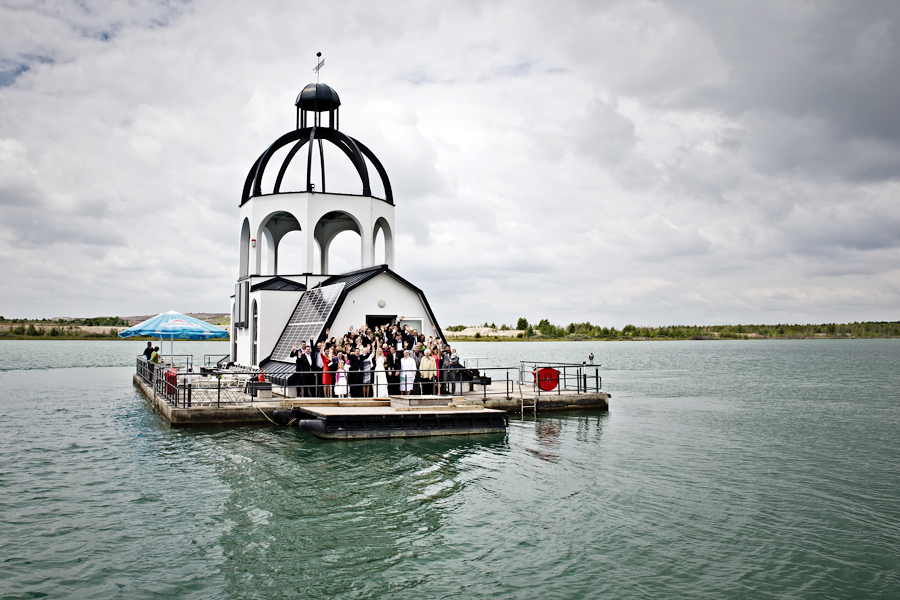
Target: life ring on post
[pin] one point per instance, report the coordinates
(547, 378)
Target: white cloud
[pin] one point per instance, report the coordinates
(646, 162)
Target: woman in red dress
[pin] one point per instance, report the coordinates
(327, 376)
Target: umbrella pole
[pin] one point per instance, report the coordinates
(172, 349)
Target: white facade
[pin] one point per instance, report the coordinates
(399, 301)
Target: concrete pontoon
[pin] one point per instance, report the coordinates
(401, 416)
(186, 399)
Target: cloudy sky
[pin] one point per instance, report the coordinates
(644, 162)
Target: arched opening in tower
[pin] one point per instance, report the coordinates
(290, 253)
(383, 253)
(344, 253)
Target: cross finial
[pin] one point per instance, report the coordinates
(319, 66)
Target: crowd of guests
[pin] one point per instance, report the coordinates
(388, 360)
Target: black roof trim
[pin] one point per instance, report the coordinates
(353, 149)
(281, 284)
(354, 278)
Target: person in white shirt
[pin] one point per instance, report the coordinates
(408, 373)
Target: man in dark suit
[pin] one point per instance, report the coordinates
(408, 338)
(355, 378)
(365, 336)
(398, 343)
(304, 367)
(318, 362)
(392, 367)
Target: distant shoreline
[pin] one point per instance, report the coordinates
(658, 339)
(545, 331)
(94, 338)
(450, 340)
(108, 328)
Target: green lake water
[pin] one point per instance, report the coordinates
(726, 469)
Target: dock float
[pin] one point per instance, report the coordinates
(401, 416)
(190, 399)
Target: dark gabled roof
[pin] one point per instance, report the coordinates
(279, 284)
(354, 279)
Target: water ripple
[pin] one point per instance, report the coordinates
(741, 469)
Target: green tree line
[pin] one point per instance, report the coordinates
(544, 329)
(60, 328)
(89, 322)
(32, 331)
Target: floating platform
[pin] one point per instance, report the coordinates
(466, 415)
(404, 416)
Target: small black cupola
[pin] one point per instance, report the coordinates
(318, 98)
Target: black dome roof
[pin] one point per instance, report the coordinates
(317, 97)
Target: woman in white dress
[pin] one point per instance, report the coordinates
(340, 381)
(407, 373)
(381, 389)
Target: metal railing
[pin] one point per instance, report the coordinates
(145, 368)
(182, 388)
(185, 389)
(213, 360)
(352, 384)
(182, 361)
(493, 381)
(560, 377)
(471, 362)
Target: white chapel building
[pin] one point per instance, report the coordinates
(272, 311)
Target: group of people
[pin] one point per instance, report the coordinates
(376, 363)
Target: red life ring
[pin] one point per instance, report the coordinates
(547, 378)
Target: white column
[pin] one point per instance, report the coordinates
(309, 247)
(388, 249)
(271, 260)
(325, 249)
(367, 245)
(255, 256)
(275, 270)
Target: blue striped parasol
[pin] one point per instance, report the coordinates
(175, 325)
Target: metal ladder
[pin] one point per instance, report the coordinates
(522, 405)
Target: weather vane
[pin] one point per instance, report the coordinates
(319, 66)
